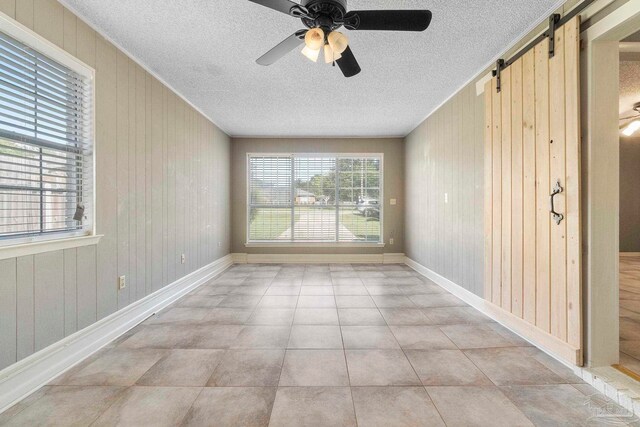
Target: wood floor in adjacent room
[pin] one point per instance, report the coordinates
(630, 312)
(317, 345)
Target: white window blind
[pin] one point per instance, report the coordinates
(315, 198)
(45, 144)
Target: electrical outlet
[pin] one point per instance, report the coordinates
(391, 240)
(446, 197)
(183, 259)
(393, 202)
(122, 282)
(219, 244)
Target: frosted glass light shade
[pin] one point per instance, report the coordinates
(312, 54)
(330, 55)
(631, 128)
(314, 39)
(338, 42)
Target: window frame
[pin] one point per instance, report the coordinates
(292, 243)
(43, 242)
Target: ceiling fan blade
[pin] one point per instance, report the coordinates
(284, 6)
(348, 63)
(388, 20)
(284, 47)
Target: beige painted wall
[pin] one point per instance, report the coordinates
(393, 150)
(629, 194)
(162, 190)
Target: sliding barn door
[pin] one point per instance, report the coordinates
(532, 255)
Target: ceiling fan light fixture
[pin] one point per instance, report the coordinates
(338, 42)
(330, 55)
(314, 39)
(631, 128)
(312, 54)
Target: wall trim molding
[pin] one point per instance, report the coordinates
(243, 258)
(551, 345)
(28, 375)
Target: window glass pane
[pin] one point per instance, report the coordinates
(360, 224)
(44, 129)
(269, 224)
(332, 199)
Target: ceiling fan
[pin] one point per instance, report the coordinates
(323, 17)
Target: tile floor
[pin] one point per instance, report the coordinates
(318, 345)
(630, 313)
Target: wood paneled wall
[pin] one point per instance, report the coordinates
(445, 155)
(162, 190)
(533, 142)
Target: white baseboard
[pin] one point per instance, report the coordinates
(243, 258)
(555, 348)
(25, 377)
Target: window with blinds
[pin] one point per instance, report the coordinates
(314, 198)
(45, 145)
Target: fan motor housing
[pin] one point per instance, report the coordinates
(325, 14)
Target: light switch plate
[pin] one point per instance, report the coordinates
(122, 282)
(183, 259)
(393, 202)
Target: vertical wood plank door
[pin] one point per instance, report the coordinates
(532, 149)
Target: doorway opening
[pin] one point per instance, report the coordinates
(629, 230)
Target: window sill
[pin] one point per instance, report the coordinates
(313, 245)
(38, 247)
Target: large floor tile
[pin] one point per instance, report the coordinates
(240, 301)
(404, 316)
(150, 406)
(178, 315)
(555, 405)
(228, 316)
(357, 290)
(380, 368)
(317, 290)
(313, 406)
(422, 338)
(316, 316)
(368, 337)
(248, 368)
(272, 317)
(354, 301)
(512, 366)
(186, 368)
(200, 301)
(314, 368)
(476, 406)
(262, 337)
(361, 317)
(67, 406)
(436, 300)
(118, 366)
(288, 301)
(445, 368)
(394, 407)
(315, 337)
(475, 336)
(232, 406)
(455, 315)
(316, 301)
(393, 301)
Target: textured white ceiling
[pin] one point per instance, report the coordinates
(629, 86)
(206, 50)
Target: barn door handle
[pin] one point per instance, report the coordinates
(557, 217)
